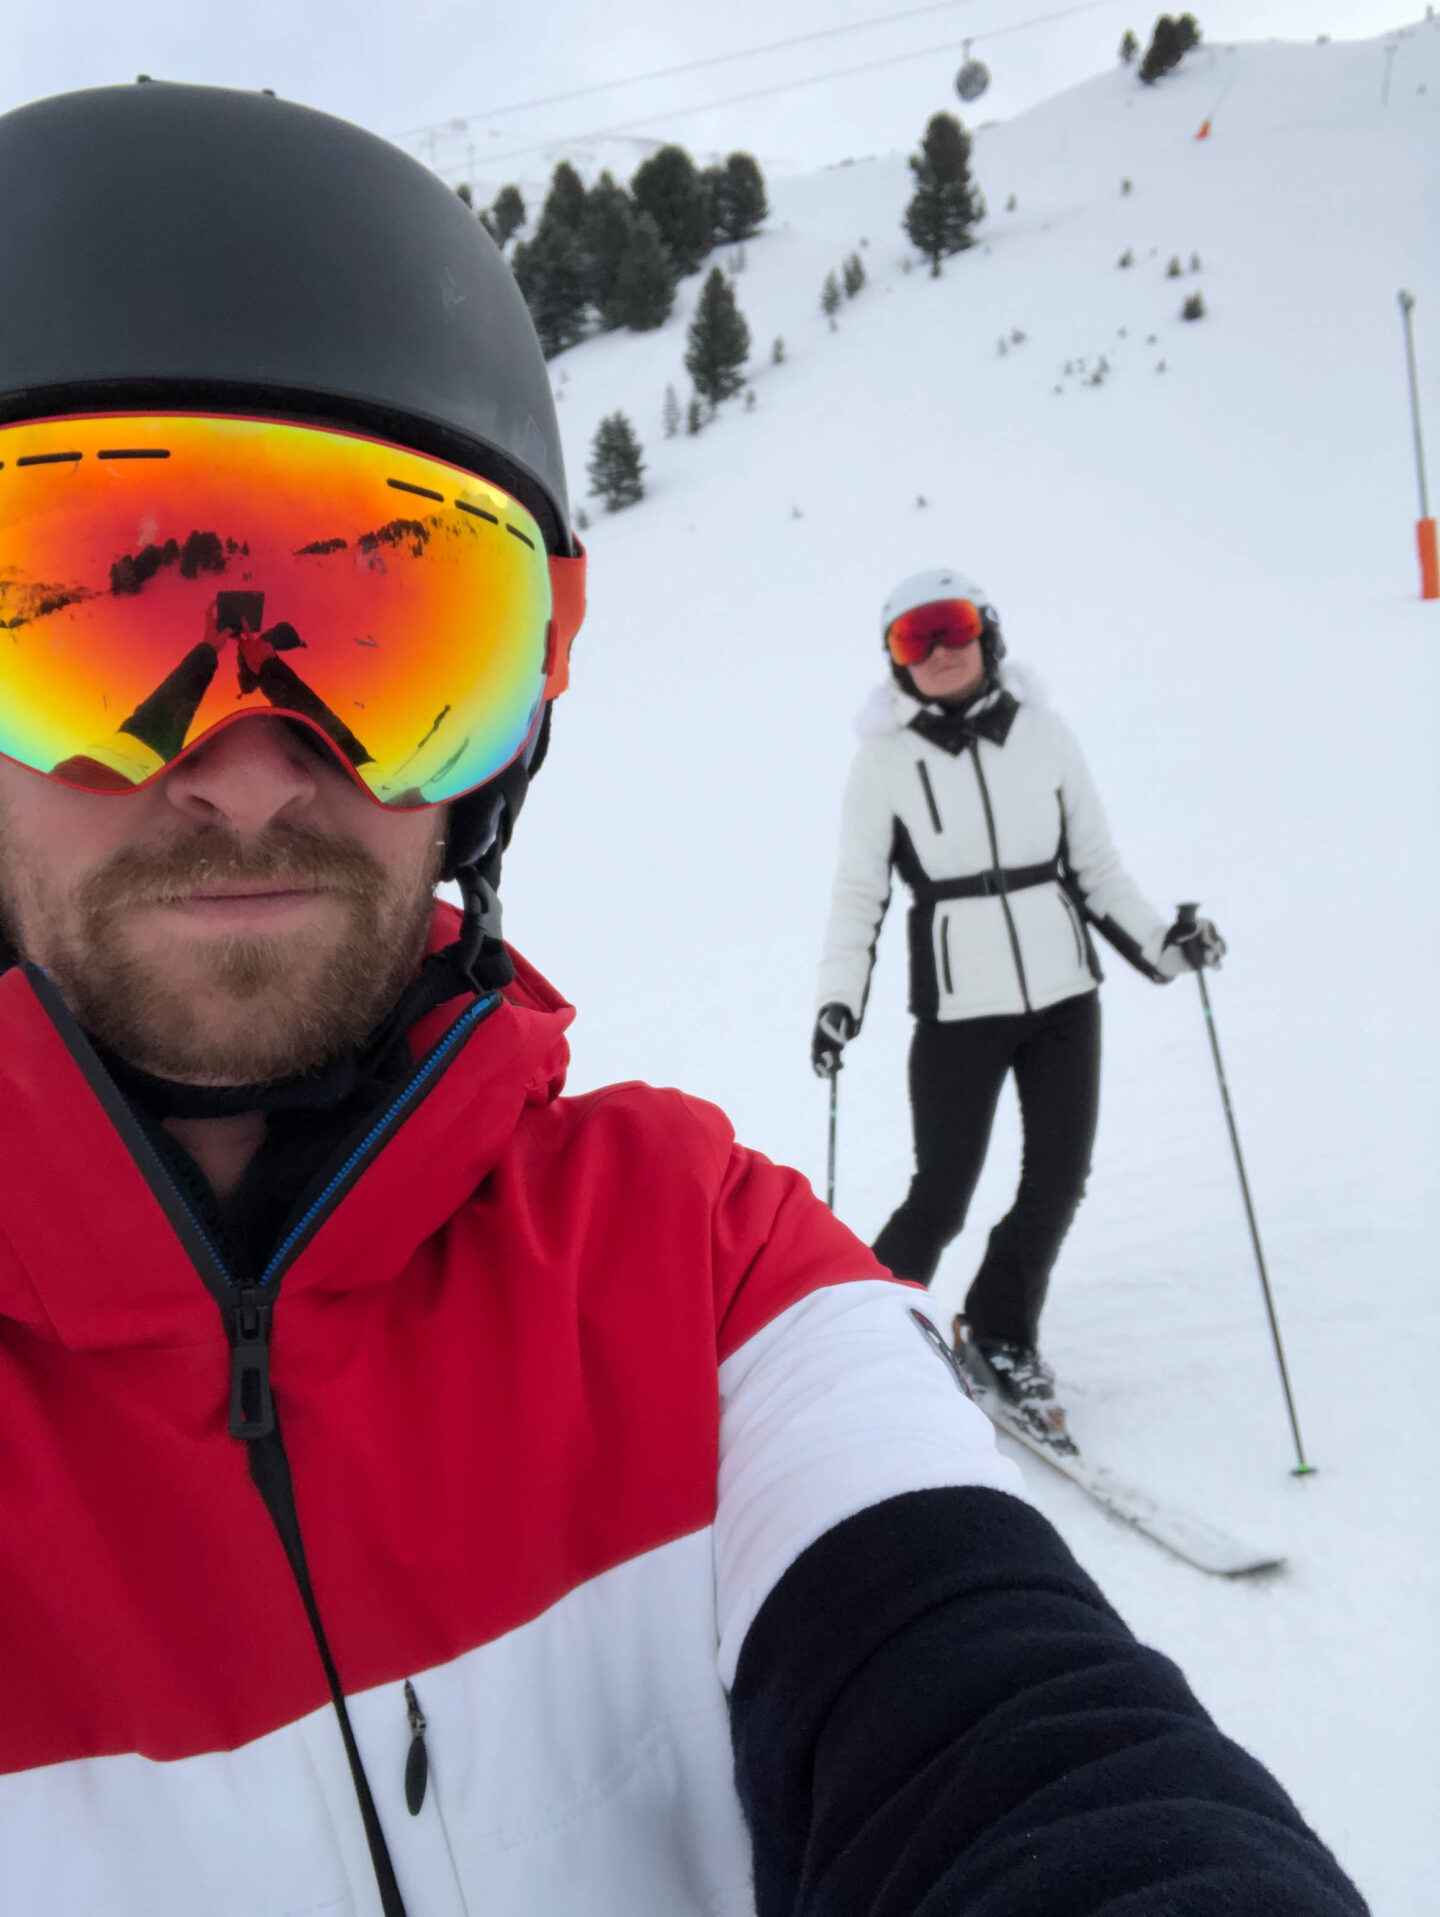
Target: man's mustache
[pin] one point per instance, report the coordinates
(284, 856)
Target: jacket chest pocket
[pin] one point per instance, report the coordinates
(929, 791)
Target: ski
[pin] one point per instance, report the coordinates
(1196, 1540)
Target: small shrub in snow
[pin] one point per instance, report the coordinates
(1002, 346)
(1129, 47)
(830, 299)
(1194, 307)
(1125, 187)
(694, 416)
(749, 399)
(1194, 262)
(853, 275)
(670, 413)
(582, 520)
(1127, 258)
(1011, 204)
(777, 351)
(920, 499)
(1174, 269)
(1017, 338)
(616, 464)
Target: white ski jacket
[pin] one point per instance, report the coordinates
(993, 821)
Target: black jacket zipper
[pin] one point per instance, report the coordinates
(1000, 876)
(248, 1313)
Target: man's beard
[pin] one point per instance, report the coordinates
(246, 1009)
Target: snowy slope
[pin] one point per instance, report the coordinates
(1212, 570)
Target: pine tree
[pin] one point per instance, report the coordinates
(1129, 47)
(507, 215)
(644, 290)
(670, 413)
(1170, 42)
(553, 274)
(616, 464)
(694, 416)
(605, 235)
(854, 275)
(565, 202)
(947, 203)
(668, 188)
(718, 342)
(466, 194)
(739, 204)
(777, 351)
(830, 299)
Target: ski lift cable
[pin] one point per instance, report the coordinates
(455, 127)
(760, 93)
(671, 73)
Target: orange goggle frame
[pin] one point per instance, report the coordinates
(944, 622)
(162, 575)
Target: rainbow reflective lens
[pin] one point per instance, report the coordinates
(944, 622)
(161, 575)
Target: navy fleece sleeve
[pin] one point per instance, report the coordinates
(936, 1713)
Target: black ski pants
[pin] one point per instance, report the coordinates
(956, 1072)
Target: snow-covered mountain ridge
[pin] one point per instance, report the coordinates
(1212, 569)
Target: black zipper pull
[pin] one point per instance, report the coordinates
(252, 1409)
(417, 1762)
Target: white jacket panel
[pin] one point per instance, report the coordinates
(937, 816)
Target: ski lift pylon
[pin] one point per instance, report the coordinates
(973, 77)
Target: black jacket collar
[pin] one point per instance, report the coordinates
(955, 730)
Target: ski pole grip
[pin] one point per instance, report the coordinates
(1185, 915)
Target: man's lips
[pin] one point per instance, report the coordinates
(255, 899)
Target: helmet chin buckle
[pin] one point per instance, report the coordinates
(482, 959)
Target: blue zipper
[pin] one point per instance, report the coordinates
(426, 1070)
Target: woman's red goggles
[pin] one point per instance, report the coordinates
(945, 622)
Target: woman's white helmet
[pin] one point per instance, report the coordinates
(924, 588)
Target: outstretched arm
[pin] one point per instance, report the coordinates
(936, 1714)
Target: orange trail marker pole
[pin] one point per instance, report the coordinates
(1425, 525)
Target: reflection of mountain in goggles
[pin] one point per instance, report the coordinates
(944, 622)
(162, 575)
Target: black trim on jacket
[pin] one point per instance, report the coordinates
(936, 1713)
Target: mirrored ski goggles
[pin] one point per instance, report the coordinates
(945, 622)
(162, 575)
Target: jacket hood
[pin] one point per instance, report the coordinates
(91, 1246)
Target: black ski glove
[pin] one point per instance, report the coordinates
(1192, 943)
(834, 1028)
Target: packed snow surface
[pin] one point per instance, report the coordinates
(1207, 560)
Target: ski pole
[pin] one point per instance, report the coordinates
(1186, 917)
(834, 1076)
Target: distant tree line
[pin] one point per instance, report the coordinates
(611, 256)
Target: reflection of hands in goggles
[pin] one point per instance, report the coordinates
(432, 628)
(155, 733)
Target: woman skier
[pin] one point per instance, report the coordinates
(983, 804)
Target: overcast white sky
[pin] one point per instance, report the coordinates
(400, 65)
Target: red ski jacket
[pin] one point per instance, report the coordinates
(571, 1518)
(564, 1386)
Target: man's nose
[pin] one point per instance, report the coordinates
(252, 772)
